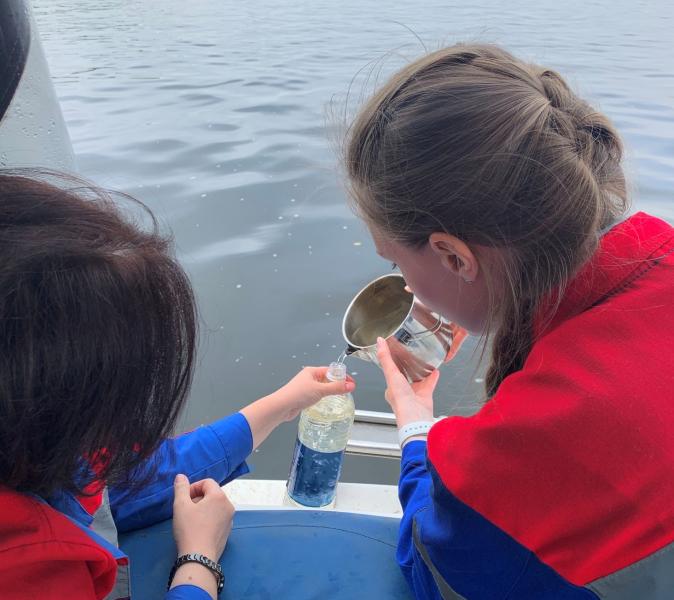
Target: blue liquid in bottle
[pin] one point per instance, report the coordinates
(322, 436)
(314, 475)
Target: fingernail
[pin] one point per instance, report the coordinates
(180, 478)
(350, 386)
(380, 341)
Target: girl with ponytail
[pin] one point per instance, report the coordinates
(500, 195)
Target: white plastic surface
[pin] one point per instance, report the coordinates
(364, 498)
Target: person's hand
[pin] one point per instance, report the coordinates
(409, 402)
(303, 390)
(413, 368)
(202, 517)
(307, 388)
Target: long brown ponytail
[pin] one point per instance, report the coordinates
(500, 153)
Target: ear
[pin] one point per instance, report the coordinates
(455, 255)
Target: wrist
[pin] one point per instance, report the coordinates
(414, 438)
(282, 406)
(199, 571)
(404, 418)
(414, 430)
(277, 405)
(194, 573)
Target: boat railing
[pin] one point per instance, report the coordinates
(374, 433)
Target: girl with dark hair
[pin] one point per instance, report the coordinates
(500, 195)
(97, 350)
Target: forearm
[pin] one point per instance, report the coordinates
(264, 415)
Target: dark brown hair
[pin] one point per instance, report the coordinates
(98, 335)
(499, 153)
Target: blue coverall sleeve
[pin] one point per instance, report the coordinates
(216, 451)
(414, 491)
(187, 592)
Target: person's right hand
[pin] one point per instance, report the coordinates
(202, 517)
(307, 388)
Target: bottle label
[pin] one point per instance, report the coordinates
(314, 475)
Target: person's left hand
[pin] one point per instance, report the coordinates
(409, 402)
(308, 387)
(202, 517)
(413, 368)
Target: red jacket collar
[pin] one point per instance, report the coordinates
(625, 252)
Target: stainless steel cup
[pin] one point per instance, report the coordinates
(419, 339)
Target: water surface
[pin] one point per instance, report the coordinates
(214, 113)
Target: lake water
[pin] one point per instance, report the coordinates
(222, 116)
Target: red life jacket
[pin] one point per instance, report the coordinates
(574, 456)
(46, 556)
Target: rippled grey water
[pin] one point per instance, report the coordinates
(213, 112)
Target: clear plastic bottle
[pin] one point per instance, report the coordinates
(322, 436)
